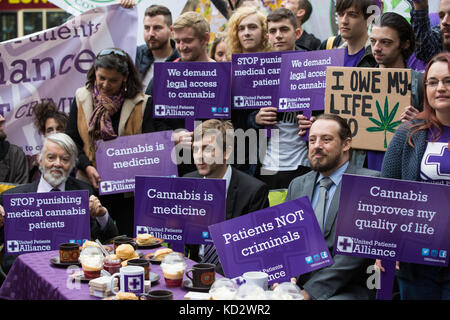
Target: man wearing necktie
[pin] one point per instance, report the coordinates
(329, 154)
(56, 161)
(212, 147)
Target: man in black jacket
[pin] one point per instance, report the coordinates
(212, 147)
(158, 46)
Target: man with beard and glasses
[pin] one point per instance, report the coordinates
(329, 154)
(430, 41)
(13, 162)
(56, 161)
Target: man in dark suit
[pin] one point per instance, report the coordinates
(329, 155)
(56, 161)
(212, 147)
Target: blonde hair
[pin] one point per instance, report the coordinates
(220, 128)
(233, 44)
(194, 20)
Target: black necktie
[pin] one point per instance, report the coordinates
(55, 190)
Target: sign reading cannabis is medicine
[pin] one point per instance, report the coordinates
(371, 100)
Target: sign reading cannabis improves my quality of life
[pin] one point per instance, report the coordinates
(395, 220)
(371, 100)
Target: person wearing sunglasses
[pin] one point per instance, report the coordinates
(111, 104)
(407, 158)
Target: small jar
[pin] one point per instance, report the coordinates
(112, 265)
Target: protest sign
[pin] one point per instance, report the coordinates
(121, 159)
(52, 64)
(42, 221)
(283, 241)
(178, 210)
(302, 80)
(255, 80)
(395, 220)
(371, 100)
(195, 90)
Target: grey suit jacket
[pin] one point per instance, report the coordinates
(346, 277)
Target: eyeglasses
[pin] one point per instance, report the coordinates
(433, 83)
(106, 52)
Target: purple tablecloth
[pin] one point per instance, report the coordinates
(33, 277)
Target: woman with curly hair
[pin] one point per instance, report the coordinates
(246, 31)
(47, 119)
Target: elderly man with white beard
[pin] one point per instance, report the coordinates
(56, 161)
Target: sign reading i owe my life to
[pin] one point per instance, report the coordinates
(255, 81)
(283, 241)
(42, 221)
(178, 209)
(371, 100)
(302, 80)
(395, 220)
(121, 159)
(196, 90)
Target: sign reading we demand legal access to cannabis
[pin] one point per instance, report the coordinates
(196, 90)
(371, 100)
(42, 221)
(284, 241)
(394, 220)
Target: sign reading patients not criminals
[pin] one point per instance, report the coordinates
(371, 100)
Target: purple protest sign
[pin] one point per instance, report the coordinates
(302, 79)
(255, 81)
(121, 159)
(196, 90)
(52, 64)
(178, 209)
(394, 220)
(42, 221)
(283, 241)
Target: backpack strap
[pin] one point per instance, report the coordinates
(330, 43)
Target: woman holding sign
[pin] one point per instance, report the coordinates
(111, 104)
(408, 157)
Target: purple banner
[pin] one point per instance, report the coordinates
(42, 221)
(256, 77)
(178, 209)
(121, 159)
(302, 79)
(51, 65)
(283, 241)
(394, 220)
(196, 90)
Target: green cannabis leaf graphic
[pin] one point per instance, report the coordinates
(385, 123)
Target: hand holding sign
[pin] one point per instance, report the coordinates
(95, 207)
(266, 116)
(304, 124)
(93, 176)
